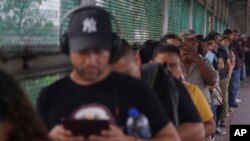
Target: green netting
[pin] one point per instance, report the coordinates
(33, 23)
(137, 20)
(177, 16)
(33, 86)
(198, 17)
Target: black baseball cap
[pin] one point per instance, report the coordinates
(89, 27)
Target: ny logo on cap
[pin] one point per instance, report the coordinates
(89, 25)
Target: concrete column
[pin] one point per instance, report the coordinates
(205, 26)
(190, 17)
(87, 2)
(248, 17)
(165, 18)
(215, 2)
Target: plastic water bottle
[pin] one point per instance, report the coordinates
(137, 124)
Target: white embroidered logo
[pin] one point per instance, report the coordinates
(89, 25)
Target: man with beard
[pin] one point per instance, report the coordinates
(91, 83)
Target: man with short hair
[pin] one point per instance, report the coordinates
(178, 105)
(93, 92)
(170, 55)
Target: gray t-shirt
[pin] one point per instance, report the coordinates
(194, 77)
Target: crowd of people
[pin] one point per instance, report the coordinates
(185, 85)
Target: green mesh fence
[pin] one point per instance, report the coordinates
(177, 16)
(32, 23)
(137, 20)
(33, 86)
(198, 18)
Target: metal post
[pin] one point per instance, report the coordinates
(87, 2)
(248, 17)
(190, 17)
(165, 18)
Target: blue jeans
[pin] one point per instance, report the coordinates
(213, 109)
(242, 72)
(234, 87)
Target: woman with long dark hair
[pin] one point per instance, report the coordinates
(18, 120)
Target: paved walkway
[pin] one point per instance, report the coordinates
(241, 115)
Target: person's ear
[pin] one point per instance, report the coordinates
(137, 58)
(151, 61)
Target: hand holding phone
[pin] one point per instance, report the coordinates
(59, 133)
(190, 54)
(85, 128)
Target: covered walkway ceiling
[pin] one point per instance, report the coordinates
(238, 9)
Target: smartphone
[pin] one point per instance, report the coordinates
(85, 127)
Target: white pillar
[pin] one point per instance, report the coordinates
(87, 2)
(165, 18)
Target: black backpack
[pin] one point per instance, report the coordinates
(148, 75)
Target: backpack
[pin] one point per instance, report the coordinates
(148, 75)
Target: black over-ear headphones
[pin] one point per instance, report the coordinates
(116, 40)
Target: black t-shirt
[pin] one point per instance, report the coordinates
(238, 52)
(187, 111)
(222, 53)
(116, 91)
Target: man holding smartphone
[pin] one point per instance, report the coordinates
(196, 69)
(91, 81)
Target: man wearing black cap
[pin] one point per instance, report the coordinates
(93, 91)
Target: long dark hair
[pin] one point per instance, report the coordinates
(17, 109)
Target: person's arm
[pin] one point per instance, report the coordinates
(59, 133)
(210, 127)
(232, 58)
(206, 70)
(220, 64)
(191, 131)
(229, 68)
(207, 73)
(168, 133)
(210, 26)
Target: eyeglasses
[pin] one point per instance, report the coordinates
(171, 66)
